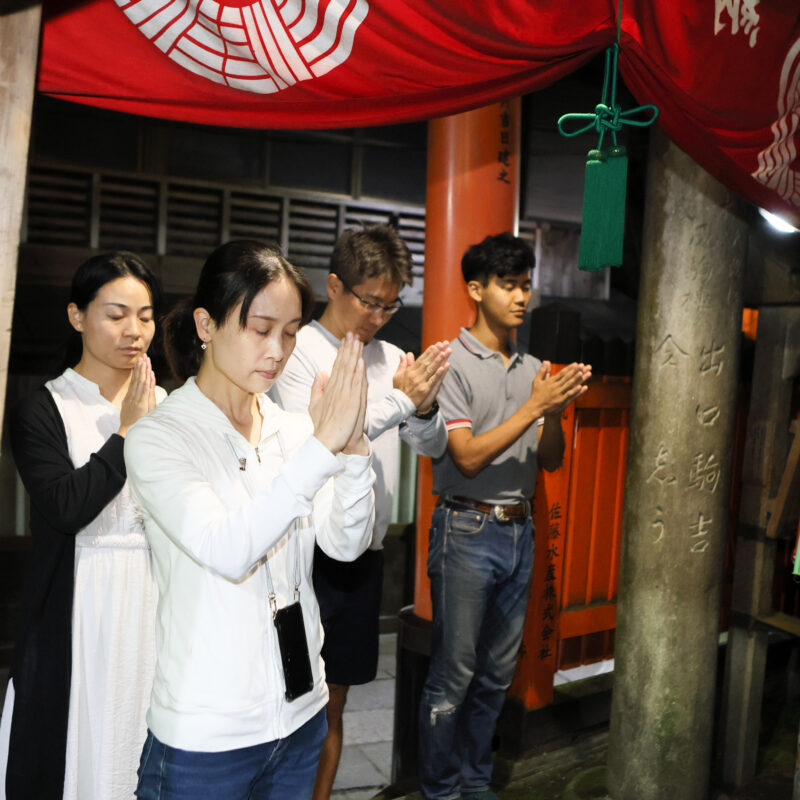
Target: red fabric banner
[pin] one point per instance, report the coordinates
(725, 74)
(726, 78)
(408, 59)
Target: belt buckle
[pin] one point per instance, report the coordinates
(500, 514)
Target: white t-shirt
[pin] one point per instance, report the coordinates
(390, 412)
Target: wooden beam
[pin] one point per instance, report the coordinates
(787, 623)
(19, 47)
(765, 454)
(606, 395)
(785, 503)
(591, 619)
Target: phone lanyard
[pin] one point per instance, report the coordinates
(273, 603)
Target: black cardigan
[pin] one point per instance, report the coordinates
(63, 500)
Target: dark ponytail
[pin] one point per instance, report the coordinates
(235, 272)
(181, 345)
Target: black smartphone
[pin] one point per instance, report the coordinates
(294, 651)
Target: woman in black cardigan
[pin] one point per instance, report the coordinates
(72, 694)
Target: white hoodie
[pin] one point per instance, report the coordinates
(212, 528)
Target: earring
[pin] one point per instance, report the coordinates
(202, 345)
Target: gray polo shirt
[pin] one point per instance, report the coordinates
(480, 392)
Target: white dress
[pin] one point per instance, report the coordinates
(113, 620)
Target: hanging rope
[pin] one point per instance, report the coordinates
(603, 222)
(608, 116)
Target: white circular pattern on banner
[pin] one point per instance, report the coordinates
(775, 162)
(256, 45)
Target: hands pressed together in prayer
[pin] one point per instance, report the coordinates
(420, 379)
(339, 401)
(140, 399)
(554, 392)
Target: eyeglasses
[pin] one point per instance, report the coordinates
(374, 308)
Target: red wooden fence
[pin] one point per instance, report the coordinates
(578, 518)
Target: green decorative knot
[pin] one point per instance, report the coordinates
(608, 116)
(603, 221)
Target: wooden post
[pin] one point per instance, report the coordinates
(19, 46)
(765, 457)
(473, 192)
(538, 659)
(796, 786)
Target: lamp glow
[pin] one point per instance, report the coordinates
(777, 222)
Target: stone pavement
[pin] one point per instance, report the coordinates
(366, 765)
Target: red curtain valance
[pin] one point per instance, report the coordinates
(725, 74)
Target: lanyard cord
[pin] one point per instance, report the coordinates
(273, 604)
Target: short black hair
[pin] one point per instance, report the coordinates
(92, 275)
(375, 251)
(500, 255)
(96, 272)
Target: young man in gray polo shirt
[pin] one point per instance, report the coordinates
(503, 416)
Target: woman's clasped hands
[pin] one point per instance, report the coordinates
(339, 401)
(140, 399)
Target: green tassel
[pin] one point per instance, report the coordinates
(603, 223)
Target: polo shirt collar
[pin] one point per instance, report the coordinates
(481, 350)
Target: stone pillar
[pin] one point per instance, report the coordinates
(19, 47)
(678, 482)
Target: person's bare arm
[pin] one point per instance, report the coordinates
(550, 395)
(551, 443)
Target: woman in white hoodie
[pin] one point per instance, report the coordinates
(234, 493)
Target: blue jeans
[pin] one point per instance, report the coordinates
(283, 769)
(480, 571)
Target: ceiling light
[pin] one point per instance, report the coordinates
(777, 222)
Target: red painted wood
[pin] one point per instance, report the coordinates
(466, 201)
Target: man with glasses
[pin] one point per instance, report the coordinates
(368, 269)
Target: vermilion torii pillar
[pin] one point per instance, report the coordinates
(19, 46)
(472, 192)
(678, 482)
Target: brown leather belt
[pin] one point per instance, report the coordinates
(503, 513)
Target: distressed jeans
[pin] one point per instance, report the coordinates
(480, 571)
